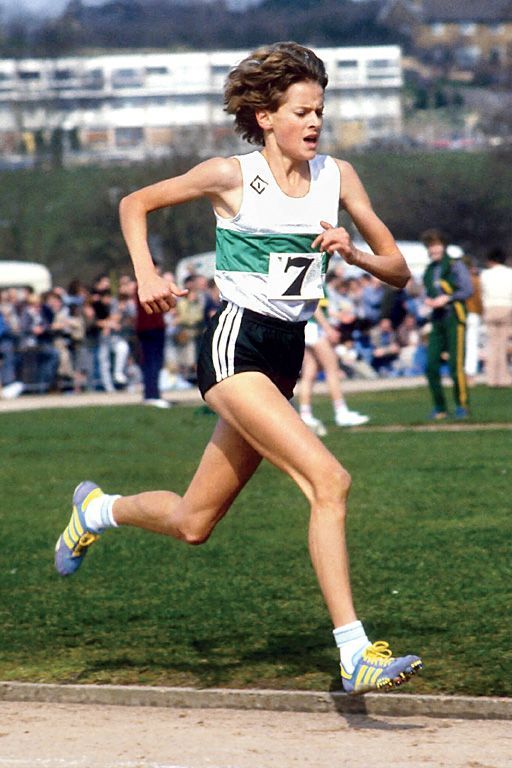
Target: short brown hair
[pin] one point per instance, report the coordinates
(261, 79)
(430, 236)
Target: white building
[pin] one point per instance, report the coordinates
(150, 103)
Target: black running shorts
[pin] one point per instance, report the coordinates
(238, 339)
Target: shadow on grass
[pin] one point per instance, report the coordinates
(280, 662)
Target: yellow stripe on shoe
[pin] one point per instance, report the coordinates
(77, 527)
(377, 669)
(94, 494)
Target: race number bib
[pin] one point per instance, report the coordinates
(295, 276)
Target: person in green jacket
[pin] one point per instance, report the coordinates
(447, 285)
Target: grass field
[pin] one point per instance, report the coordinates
(430, 537)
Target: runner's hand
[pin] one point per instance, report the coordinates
(158, 294)
(336, 239)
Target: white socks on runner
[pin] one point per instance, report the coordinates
(99, 515)
(351, 640)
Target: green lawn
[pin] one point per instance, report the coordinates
(430, 532)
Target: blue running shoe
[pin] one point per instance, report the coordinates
(461, 412)
(378, 670)
(72, 546)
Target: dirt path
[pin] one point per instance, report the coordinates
(37, 735)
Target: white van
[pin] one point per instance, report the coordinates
(21, 274)
(199, 264)
(414, 252)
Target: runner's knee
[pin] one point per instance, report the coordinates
(196, 535)
(197, 529)
(331, 484)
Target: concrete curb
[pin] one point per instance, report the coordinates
(394, 704)
(188, 396)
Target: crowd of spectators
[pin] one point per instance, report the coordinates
(83, 338)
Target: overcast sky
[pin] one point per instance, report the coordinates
(43, 7)
(54, 7)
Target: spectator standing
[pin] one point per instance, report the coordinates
(77, 347)
(61, 329)
(394, 305)
(111, 344)
(447, 285)
(41, 358)
(189, 326)
(372, 298)
(474, 309)
(90, 363)
(76, 293)
(319, 354)
(497, 308)
(212, 300)
(412, 357)
(10, 385)
(150, 330)
(385, 347)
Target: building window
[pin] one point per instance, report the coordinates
(125, 73)
(468, 28)
(380, 63)
(29, 75)
(126, 78)
(157, 71)
(63, 74)
(96, 136)
(378, 123)
(129, 137)
(347, 64)
(220, 70)
(187, 100)
(94, 79)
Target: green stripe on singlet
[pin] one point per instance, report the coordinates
(238, 252)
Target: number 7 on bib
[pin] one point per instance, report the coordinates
(295, 276)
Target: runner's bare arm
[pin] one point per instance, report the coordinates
(219, 179)
(386, 262)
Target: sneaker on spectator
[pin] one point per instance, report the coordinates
(12, 391)
(168, 382)
(182, 383)
(314, 424)
(157, 402)
(348, 418)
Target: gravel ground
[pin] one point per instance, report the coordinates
(41, 735)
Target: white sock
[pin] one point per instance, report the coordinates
(98, 514)
(351, 640)
(305, 410)
(340, 407)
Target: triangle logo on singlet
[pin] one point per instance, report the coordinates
(259, 185)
